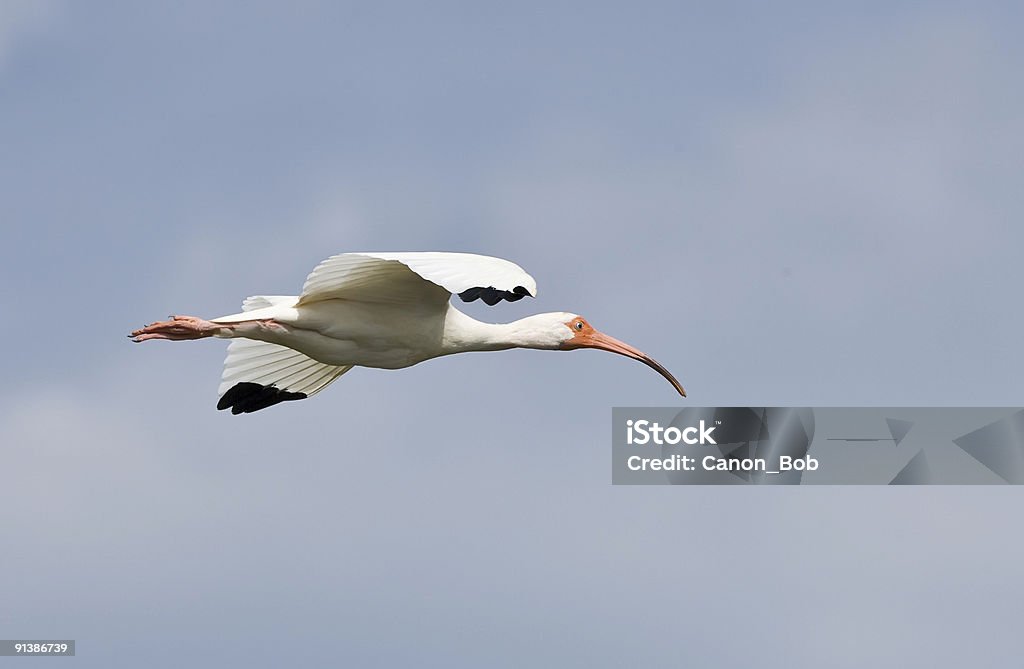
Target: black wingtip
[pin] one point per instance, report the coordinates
(491, 295)
(246, 397)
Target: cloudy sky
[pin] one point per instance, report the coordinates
(801, 205)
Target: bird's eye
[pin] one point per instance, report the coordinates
(578, 325)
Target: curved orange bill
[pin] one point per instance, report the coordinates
(601, 341)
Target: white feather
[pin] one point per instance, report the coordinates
(410, 277)
(269, 364)
(254, 302)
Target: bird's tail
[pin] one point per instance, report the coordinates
(259, 307)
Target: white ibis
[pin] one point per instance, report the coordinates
(384, 310)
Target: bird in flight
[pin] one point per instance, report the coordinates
(383, 310)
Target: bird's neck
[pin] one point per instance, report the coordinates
(464, 333)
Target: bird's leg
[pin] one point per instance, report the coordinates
(179, 328)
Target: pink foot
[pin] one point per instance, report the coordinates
(179, 328)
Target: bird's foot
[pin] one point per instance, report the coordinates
(179, 328)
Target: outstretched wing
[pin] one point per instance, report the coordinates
(417, 277)
(259, 374)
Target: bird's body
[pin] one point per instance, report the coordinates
(342, 332)
(382, 310)
(360, 334)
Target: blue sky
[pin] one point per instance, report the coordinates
(789, 205)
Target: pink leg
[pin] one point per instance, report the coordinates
(179, 328)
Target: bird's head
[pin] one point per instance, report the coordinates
(567, 332)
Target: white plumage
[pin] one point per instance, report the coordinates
(384, 310)
(407, 277)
